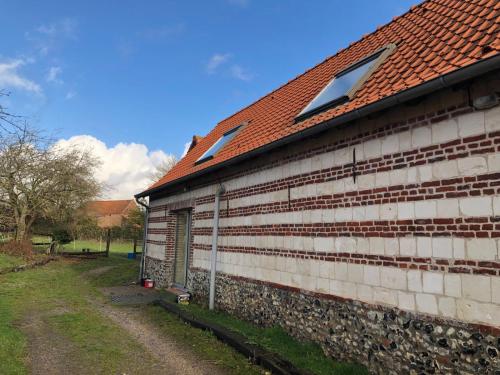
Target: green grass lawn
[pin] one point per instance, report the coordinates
(115, 246)
(305, 355)
(107, 348)
(101, 345)
(8, 261)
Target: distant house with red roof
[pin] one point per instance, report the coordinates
(110, 213)
(357, 205)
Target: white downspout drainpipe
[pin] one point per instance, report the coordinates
(213, 256)
(144, 240)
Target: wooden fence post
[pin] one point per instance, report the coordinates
(108, 242)
(135, 245)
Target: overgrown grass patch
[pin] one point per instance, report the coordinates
(304, 355)
(8, 261)
(201, 342)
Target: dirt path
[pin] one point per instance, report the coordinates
(48, 351)
(176, 360)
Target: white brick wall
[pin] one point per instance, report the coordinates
(465, 296)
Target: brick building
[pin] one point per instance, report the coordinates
(358, 204)
(110, 213)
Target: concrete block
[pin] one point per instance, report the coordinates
(406, 210)
(447, 307)
(425, 173)
(406, 301)
(442, 247)
(424, 246)
(371, 275)
(471, 124)
(382, 179)
(432, 282)
(366, 181)
(408, 246)
(476, 287)
(445, 169)
(388, 211)
(414, 280)
(391, 246)
(425, 209)
(323, 244)
(365, 293)
(445, 131)
(447, 208)
(472, 166)
(385, 296)
(494, 162)
(372, 212)
(398, 176)
(476, 206)
(492, 119)
(459, 248)
(427, 303)
(495, 289)
(377, 245)
(323, 285)
(340, 271)
(421, 136)
(390, 144)
(372, 148)
(496, 206)
(481, 249)
(452, 285)
(393, 278)
(355, 273)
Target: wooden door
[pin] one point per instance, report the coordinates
(181, 248)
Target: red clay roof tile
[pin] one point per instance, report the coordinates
(433, 38)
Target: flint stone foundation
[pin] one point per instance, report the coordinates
(386, 340)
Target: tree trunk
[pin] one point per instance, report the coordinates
(23, 227)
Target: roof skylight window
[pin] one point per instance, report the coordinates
(221, 142)
(344, 85)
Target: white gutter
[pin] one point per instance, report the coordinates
(213, 256)
(144, 240)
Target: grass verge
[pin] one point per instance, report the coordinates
(304, 355)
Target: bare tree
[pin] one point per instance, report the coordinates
(39, 180)
(9, 122)
(162, 169)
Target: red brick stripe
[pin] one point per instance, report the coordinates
(481, 185)
(480, 227)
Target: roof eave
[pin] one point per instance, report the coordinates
(441, 82)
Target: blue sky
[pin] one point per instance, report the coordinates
(157, 72)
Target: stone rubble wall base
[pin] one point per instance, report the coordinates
(159, 271)
(386, 340)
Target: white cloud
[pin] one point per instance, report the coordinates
(11, 78)
(186, 148)
(240, 73)
(126, 168)
(53, 74)
(216, 61)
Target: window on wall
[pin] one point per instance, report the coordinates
(217, 146)
(344, 85)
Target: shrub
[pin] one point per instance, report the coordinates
(22, 249)
(62, 236)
